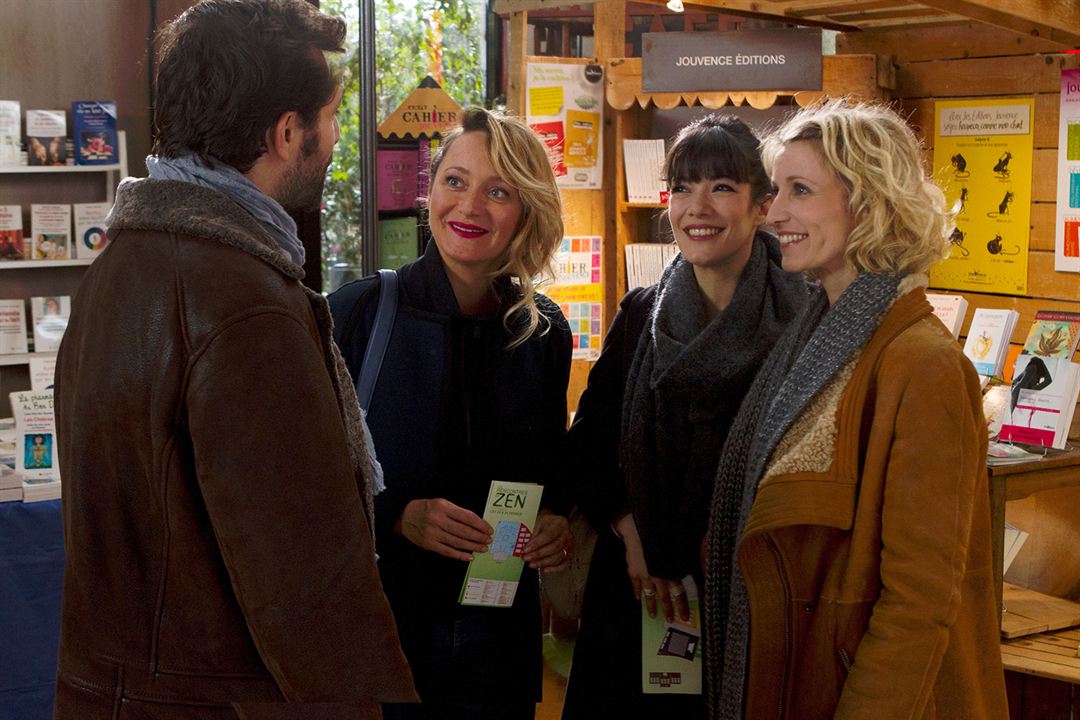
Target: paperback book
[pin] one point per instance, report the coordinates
(492, 577)
(644, 163)
(397, 242)
(94, 132)
(645, 262)
(50, 318)
(12, 327)
(396, 180)
(90, 230)
(46, 137)
(10, 117)
(11, 232)
(50, 231)
(987, 343)
(950, 310)
(671, 651)
(36, 457)
(42, 372)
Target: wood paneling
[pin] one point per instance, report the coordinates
(962, 40)
(1022, 75)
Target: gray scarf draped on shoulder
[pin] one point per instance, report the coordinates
(817, 345)
(688, 377)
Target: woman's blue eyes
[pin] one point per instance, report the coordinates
(498, 193)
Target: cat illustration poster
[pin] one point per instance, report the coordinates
(983, 163)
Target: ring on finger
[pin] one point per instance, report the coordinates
(648, 592)
(565, 553)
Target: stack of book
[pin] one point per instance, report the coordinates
(645, 262)
(644, 163)
(1042, 399)
(950, 309)
(987, 343)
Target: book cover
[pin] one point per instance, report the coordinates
(90, 231)
(671, 657)
(397, 242)
(1042, 401)
(12, 327)
(10, 117)
(42, 372)
(492, 578)
(644, 167)
(93, 124)
(35, 437)
(397, 179)
(552, 135)
(1053, 334)
(50, 232)
(50, 318)
(46, 137)
(950, 310)
(988, 339)
(11, 232)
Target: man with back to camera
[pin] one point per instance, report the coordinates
(217, 488)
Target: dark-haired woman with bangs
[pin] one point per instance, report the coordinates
(677, 361)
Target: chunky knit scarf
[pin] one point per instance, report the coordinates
(819, 343)
(684, 388)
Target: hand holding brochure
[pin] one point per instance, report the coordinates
(492, 578)
(671, 651)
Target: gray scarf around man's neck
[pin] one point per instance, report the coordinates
(229, 181)
(817, 345)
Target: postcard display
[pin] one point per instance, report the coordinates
(407, 142)
(983, 161)
(1067, 244)
(578, 288)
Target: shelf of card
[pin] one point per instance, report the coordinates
(22, 169)
(28, 264)
(24, 358)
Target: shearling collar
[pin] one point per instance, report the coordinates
(182, 208)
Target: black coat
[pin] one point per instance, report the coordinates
(452, 410)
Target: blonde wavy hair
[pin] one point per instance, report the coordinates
(521, 159)
(902, 223)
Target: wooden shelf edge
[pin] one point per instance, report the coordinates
(24, 358)
(31, 264)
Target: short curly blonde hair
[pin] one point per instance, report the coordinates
(902, 223)
(520, 158)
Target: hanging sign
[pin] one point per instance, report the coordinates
(564, 104)
(746, 60)
(982, 160)
(1067, 242)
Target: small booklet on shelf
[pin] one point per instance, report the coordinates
(90, 230)
(644, 169)
(671, 651)
(94, 132)
(950, 310)
(492, 577)
(645, 262)
(12, 327)
(42, 372)
(50, 232)
(396, 179)
(987, 343)
(50, 318)
(10, 118)
(46, 137)
(1045, 386)
(36, 457)
(11, 233)
(397, 242)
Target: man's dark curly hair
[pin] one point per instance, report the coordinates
(229, 69)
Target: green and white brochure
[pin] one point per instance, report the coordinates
(671, 651)
(492, 578)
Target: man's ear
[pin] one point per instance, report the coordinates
(283, 138)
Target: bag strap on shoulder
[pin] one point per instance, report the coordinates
(380, 337)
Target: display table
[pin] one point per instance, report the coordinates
(31, 579)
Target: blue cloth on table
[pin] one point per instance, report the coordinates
(31, 581)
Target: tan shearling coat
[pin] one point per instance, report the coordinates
(867, 553)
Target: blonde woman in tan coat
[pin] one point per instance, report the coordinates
(848, 566)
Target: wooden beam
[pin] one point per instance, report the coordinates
(505, 7)
(1055, 20)
(515, 64)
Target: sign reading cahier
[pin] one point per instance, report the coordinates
(747, 60)
(492, 578)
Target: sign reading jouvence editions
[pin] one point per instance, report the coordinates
(787, 59)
